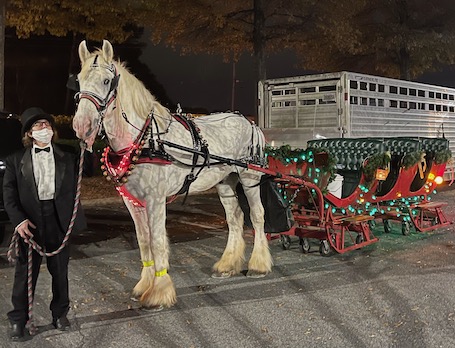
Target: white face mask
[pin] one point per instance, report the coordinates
(43, 135)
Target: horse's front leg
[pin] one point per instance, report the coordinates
(233, 256)
(162, 293)
(143, 235)
(260, 262)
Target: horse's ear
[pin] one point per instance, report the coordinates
(108, 51)
(83, 51)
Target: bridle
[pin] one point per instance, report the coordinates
(101, 104)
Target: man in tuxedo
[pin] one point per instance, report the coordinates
(39, 189)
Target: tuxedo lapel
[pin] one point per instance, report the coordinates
(27, 173)
(60, 167)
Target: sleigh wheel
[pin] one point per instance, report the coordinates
(387, 226)
(405, 228)
(359, 239)
(285, 242)
(304, 245)
(434, 221)
(324, 248)
(372, 224)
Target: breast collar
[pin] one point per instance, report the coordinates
(117, 165)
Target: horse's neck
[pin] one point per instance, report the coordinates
(123, 130)
(117, 131)
(132, 106)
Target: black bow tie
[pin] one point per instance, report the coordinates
(47, 149)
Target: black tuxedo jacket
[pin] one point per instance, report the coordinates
(20, 194)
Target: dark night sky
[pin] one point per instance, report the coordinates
(37, 69)
(206, 81)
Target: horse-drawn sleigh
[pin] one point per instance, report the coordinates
(153, 154)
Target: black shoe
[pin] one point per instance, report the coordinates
(16, 331)
(62, 323)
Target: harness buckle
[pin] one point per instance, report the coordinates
(157, 151)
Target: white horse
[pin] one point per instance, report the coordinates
(111, 99)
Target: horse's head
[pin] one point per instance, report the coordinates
(96, 83)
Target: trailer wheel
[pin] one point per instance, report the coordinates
(405, 228)
(359, 239)
(387, 226)
(285, 242)
(324, 248)
(434, 221)
(304, 245)
(372, 224)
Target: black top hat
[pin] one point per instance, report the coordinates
(33, 114)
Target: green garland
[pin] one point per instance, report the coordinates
(330, 165)
(378, 161)
(412, 158)
(443, 156)
(285, 154)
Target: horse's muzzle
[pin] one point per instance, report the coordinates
(85, 131)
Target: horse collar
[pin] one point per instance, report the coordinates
(117, 165)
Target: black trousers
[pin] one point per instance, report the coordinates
(50, 235)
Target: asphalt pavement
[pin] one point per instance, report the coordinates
(398, 292)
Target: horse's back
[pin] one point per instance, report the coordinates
(227, 134)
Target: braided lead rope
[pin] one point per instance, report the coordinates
(13, 248)
(32, 244)
(31, 326)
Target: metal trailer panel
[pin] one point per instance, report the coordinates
(378, 106)
(308, 105)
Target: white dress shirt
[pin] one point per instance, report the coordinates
(44, 172)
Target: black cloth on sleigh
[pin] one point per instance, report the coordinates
(278, 215)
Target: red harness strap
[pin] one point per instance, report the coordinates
(155, 160)
(117, 166)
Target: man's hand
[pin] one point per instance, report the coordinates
(24, 229)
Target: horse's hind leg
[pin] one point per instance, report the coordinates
(140, 219)
(233, 256)
(260, 262)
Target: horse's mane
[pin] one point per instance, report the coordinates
(131, 91)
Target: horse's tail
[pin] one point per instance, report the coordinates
(257, 153)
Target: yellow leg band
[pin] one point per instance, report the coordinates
(148, 263)
(161, 273)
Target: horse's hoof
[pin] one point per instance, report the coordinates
(222, 275)
(157, 308)
(255, 274)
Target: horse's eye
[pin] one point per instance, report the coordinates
(106, 81)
